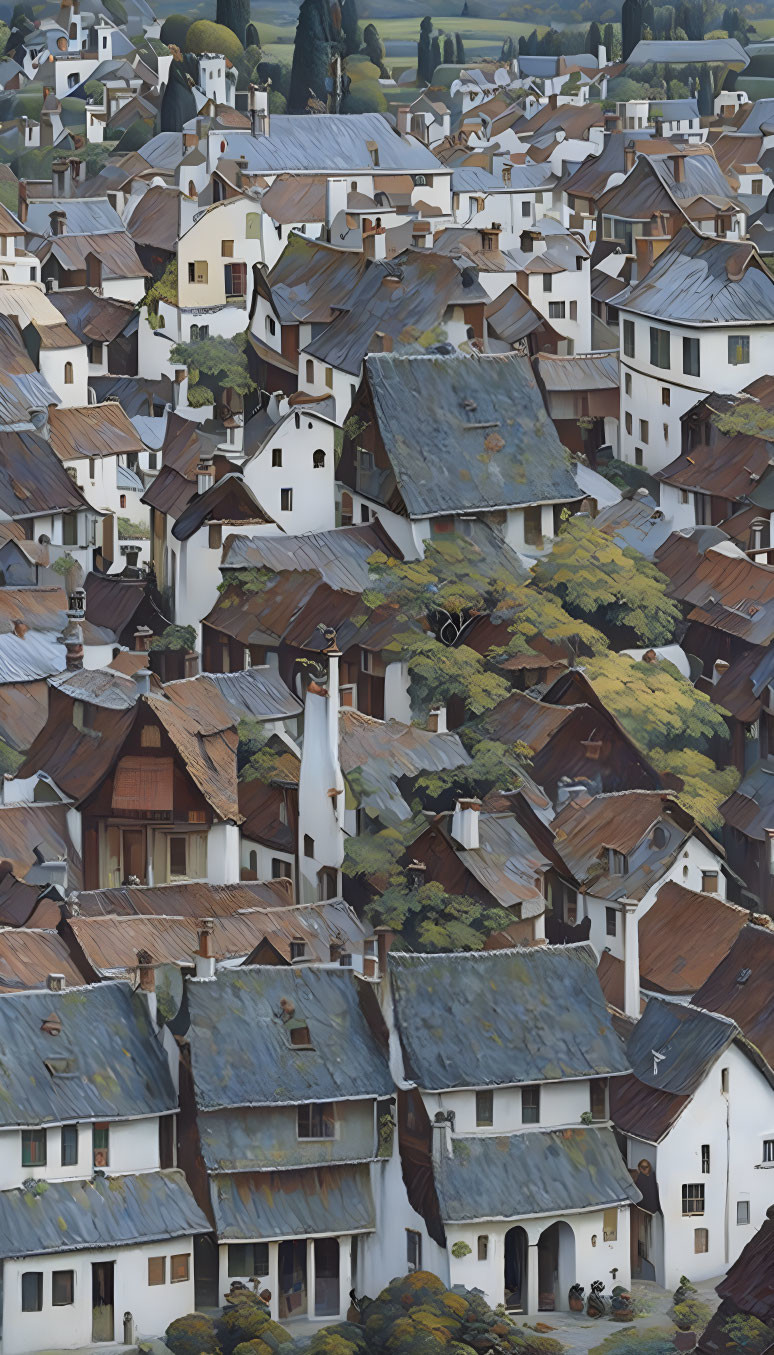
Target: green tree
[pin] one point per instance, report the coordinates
(610, 587)
(193, 1334)
(429, 919)
(435, 53)
(350, 27)
(631, 26)
(225, 360)
(593, 38)
(374, 48)
(424, 51)
(234, 14)
(316, 42)
(448, 50)
(609, 39)
(364, 96)
(459, 50)
(174, 29)
(205, 36)
(247, 66)
(706, 92)
(507, 51)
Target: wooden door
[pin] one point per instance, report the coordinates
(103, 1325)
(133, 853)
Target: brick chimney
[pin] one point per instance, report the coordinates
(205, 956)
(630, 156)
(678, 168)
(58, 221)
(20, 627)
(55, 983)
(142, 638)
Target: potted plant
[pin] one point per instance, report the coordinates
(576, 1298)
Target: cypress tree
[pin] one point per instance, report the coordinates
(593, 38)
(448, 50)
(251, 36)
(314, 45)
(424, 59)
(350, 27)
(435, 53)
(608, 39)
(374, 47)
(631, 26)
(706, 93)
(234, 14)
(459, 50)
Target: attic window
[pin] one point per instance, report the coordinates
(659, 838)
(617, 863)
(297, 949)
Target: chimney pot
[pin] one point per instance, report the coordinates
(206, 929)
(142, 639)
(55, 982)
(146, 971)
(436, 721)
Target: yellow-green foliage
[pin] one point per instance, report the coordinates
(193, 1335)
(206, 36)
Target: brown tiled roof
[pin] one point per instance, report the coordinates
(115, 251)
(742, 988)
(190, 899)
(728, 592)
(24, 827)
(646, 1112)
(92, 430)
(27, 957)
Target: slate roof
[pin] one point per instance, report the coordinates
(340, 557)
(32, 479)
(93, 318)
(689, 1038)
(331, 143)
(346, 1062)
(304, 1203)
(28, 956)
(311, 280)
(493, 444)
(193, 899)
(500, 1018)
(722, 50)
(92, 217)
(704, 281)
(258, 693)
(119, 1070)
(512, 317)
(536, 1172)
(384, 752)
(105, 1212)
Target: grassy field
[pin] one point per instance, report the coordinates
(482, 37)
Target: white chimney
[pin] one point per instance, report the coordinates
(205, 475)
(142, 680)
(258, 108)
(465, 824)
(147, 975)
(631, 949)
(205, 956)
(442, 1134)
(334, 701)
(601, 56)
(436, 720)
(336, 192)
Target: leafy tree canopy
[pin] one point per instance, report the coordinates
(206, 36)
(225, 360)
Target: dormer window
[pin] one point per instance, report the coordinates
(317, 1121)
(298, 950)
(617, 863)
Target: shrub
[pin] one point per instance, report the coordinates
(192, 1335)
(175, 28)
(629, 1341)
(365, 96)
(182, 638)
(243, 1323)
(690, 1315)
(206, 36)
(200, 395)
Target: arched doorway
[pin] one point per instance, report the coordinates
(516, 1297)
(556, 1266)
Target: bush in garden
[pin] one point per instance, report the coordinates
(193, 1335)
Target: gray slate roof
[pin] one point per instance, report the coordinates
(118, 1070)
(241, 1052)
(265, 1205)
(688, 1038)
(722, 50)
(93, 216)
(330, 142)
(105, 1212)
(537, 1172)
(500, 1018)
(257, 692)
(465, 433)
(690, 283)
(339, 556)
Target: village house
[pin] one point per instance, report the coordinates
(90, 1141)
(289, 464)
(695, 1111)
(289, 1145)
(514, 1171)
(498, 457)
(84, 243)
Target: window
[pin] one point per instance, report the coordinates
(413, 1250)
(709, 882)
(483, 1247)
(280, 870)
(691, 357)
(666, 396)
(215, 536)
(665, 431)
(617, 863)
(598, 1098)
(329, 378)
(628, 338)
(611, 922)
(693, 1198)
(573, 310)
(318, 460)
(68, 374)
(69, 1146)
(526, 209)
(700, 1240)
(32, 1291)
(309, 370)
(297, 949)
(768, 1150)
(227, 249)
(638, 456)
(157, 1270)
(300, 1036)
(179, 1267)
(628, 424)
(100, 1145)
(556, 310)
(276, 456)
(724, 1081)
(33, 1147)
(610, 1225)
(659, 347)
(246, 1259)
(316, 1121)
(485, 1108)
(644, 430)
(178, 856)
(705, 1158)
(738, 349)
(95, 352)
(742, 1212)
(530, 1105)
(235, 279)
(533, 526)
(122, 500)
(62, 1288)
(271, 325)
(627, 383)
(286, 500)
(548, 282)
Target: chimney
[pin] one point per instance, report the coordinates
(630, 155)
(404, 120)
(20, 627)
(258, 108)
(442, 1135)
(205, 956)
(436, 720)
(658, 127)
(205, 475)
(384, 939)
(631, 949)
(147, 978)
(131, 557)
(370, 967)
(142, 639)
(336, 192)
(58, 221)
(334, 655)
(55, 983)
(601, 57)
(72, 635)
(678, 168)
(416, 874)
(23, 203)
(719, 668)
(142, 680)
(490, 236)
(465, 824)
(59, 177)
